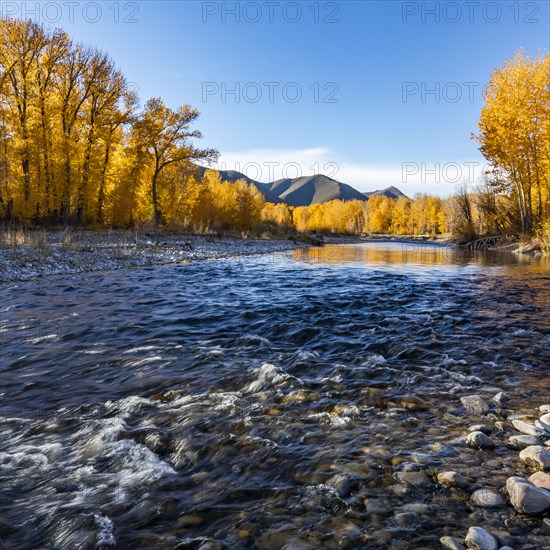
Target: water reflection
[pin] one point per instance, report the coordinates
(377, 254)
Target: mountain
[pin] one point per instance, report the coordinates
(390, 192)
(313, 190)
(304, 191)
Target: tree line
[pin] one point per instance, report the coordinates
(74, 148)
(77, 148)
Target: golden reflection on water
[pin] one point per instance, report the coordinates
(377, 255)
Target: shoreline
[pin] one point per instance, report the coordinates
(34, 255)
(61, 253)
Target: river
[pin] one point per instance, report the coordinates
(268, 401)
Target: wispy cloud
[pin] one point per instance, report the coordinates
(438, 177)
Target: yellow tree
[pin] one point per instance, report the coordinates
(165, 134)
(515, 134)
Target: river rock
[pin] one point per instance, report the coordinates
(485, 428)
(407, 520)
(527, 428)
(525, 497)
(479, 539)
(478, 440)
(416, 479)
(544, 408)
(541, 479)
(451, 543)
(544, 423)
(536, 455)
(486, 498)
(475, 404)
(452, 478)
(501, 398)
(341, 483)
(524, 440)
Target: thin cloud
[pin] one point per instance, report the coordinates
(436, 177)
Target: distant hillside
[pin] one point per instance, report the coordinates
(306, 190)
(313, 190)
(390, 192)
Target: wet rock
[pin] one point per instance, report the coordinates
(501, 398)
(377, 506)
(300, 396)
(451, 543)
(407, 520)
(478, 440)
(416, 507)
(411, 467)
(485, 428)
(480, 539)
(486, 498)
(544, 423)
(414, 403)
(500, 426)
(537, 456)
(525, 497)
(415, 479)
(341, 483)
(527, 428)
(541, 479)
(452, 478)
(475, 404)
(523, 440)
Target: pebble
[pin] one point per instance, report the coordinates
(452, 478)
(407, 520)
(544, 423)
(486, 498)
(524, 440)
(475, 404)
(501, 426)
(341, 483)
(485, 428)
(527, 428)
(416, 479)
(536, 455)
(526, 497)
(501, 398)
(544, 428)
(479, 440)
(452, 543)
(480, 539)
(541, 479)
(544, 408)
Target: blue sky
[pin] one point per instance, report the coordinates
(389, 90)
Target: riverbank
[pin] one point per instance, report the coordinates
(29, 255)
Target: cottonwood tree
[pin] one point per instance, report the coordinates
(166, 135)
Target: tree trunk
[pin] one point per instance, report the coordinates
(101, 194)
(156, 209)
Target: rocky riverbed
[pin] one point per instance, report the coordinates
(507, 497)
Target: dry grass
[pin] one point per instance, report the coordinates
(15, 238)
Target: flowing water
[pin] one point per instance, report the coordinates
(266, 402)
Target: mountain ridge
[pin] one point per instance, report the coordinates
(304, 190)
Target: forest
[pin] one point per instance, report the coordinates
(78, 149)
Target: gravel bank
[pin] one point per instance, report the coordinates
(57, 253)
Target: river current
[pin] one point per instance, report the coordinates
(266, 402)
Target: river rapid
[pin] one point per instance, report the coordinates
(267, 402)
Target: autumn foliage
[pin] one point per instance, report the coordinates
(77, 148)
